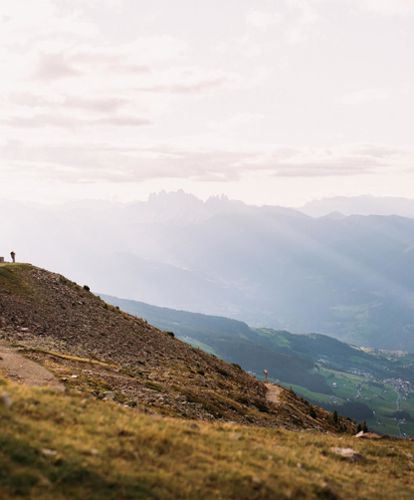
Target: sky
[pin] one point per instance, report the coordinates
(267, 101)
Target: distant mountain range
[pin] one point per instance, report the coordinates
(360, 205)
(351, 277)
(375, 386)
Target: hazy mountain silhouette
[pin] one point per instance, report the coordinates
(362, 205)
(351, 277)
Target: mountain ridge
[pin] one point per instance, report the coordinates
(362, 205)
(89, 441)
(73, 332)
(348, 277)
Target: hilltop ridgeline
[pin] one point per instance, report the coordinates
(96, 348)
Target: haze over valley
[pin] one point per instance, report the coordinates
(346, 276)
(366, 384)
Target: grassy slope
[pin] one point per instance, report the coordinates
(58, 446)
(43, 310)
(56, 321)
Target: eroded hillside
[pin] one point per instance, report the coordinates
(96, 349)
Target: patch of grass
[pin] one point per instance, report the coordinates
(11, 276)
(216, 404)
(55, 446)
(154, 386)
(70, 357)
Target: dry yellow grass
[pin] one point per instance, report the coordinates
(68, 446)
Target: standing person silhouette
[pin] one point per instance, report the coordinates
(13, 256)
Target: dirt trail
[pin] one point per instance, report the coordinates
(20, 369)
(273, 393)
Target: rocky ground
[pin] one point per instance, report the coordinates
(94, 347)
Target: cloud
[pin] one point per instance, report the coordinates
(68, 75)
(54, 66)
(262, 19)
(186, 88)
(342, 161)
(273, 25)
(387, 7)
(72, 122)
(105, 104)
(99, 105)
(303, 18)
(136, 55)
(93, 100)
(366, 96)
(380, 152)
(103, 163)
(377, 7)
(236, 122)
(83, 59)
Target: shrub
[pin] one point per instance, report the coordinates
(224, 372)
(261, 406)
(85, 287)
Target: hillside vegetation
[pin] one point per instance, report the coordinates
(130, 411)
(55, 445)
(97, 349)
(375, 386)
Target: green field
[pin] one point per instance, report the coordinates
(365, 399)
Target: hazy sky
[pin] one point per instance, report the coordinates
(270, 101)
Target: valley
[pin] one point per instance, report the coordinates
(102, 404)
(97, 348)
(369, 385)
(350, 277)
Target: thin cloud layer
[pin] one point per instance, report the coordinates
(79, 164)
(122, 92)
(388, 7)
